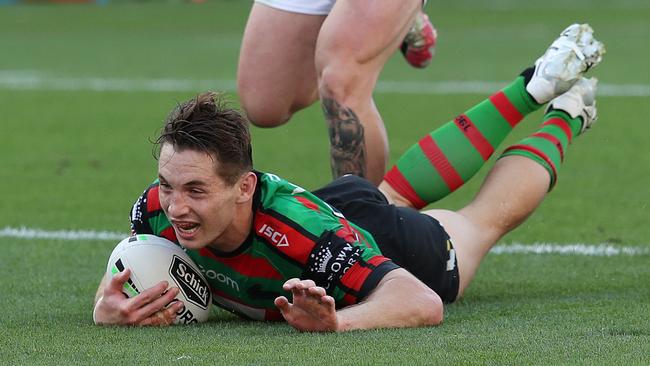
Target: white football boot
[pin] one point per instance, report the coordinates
(579, 101)
(568, 57)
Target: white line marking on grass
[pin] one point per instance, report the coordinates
(580, 249)
(27, 233)
(27, 80)
(487, 87)
(597, 250)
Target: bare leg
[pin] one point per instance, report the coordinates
(276, 75)
(356, 39)
(513, 189)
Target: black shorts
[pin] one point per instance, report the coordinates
(414, 241)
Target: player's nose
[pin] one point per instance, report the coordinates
(177, 206)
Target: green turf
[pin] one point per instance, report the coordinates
(77, 160)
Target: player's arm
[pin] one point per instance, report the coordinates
(399, 300)
(112, 307)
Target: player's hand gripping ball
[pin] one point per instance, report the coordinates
(153, 259)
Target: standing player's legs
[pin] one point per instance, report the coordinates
(276, 75)
(356, 39)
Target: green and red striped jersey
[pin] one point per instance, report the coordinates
(294, 234)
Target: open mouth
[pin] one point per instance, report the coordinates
(186, 229)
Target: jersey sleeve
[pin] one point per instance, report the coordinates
(147, 217)
(139, 215)
(347, 271)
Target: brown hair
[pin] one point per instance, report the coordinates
(207, 124)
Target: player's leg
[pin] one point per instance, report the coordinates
(356, 39)
(512, 190)
(449, 156)
(276, 75)
(518, 182)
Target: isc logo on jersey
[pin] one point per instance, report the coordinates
(276, 237)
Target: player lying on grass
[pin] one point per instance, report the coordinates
(350, 255)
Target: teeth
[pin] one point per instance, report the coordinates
(187, 228)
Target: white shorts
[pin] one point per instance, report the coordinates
(312, 7)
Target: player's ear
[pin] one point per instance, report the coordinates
(247, 184)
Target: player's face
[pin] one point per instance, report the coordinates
(199, 204)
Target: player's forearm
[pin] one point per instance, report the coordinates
(100, 290)
(398, 302)
(406, 315)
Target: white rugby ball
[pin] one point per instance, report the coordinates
(153, 259)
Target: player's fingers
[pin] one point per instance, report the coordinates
(158, 304)
(316, 291)
(282, 303)
(296, 284)
(149, 295)
(118, 280)
(305, 284)
(163, 317)
(150, 321)
(157, 319)
(174, 309)
(329, 301)
(298, 293)
(290, 284)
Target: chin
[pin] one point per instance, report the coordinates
(194, 245)
(190, 242)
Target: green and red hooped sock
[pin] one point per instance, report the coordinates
(448, 157)
(548, 145)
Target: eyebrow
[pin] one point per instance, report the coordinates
(192, 183)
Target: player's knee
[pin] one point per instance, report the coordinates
(263, 107)
(264, 114)
(262, 117)
(482, 224)
(340, 82)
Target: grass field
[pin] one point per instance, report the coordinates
(84, 88)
